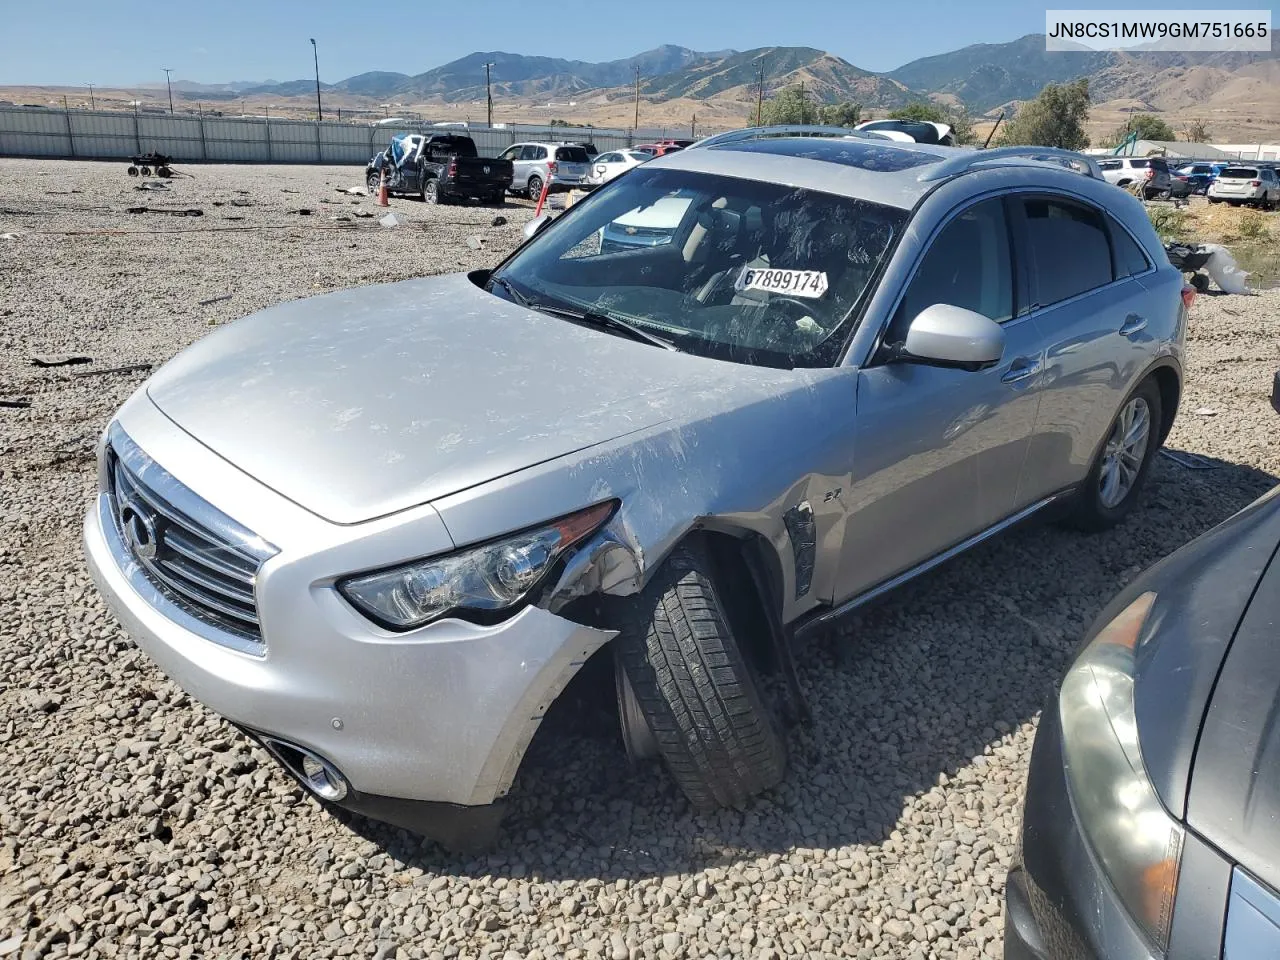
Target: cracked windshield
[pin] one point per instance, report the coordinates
(738, 269)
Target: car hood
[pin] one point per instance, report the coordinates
(1234, 801)
(368, 401)
(1201, 591)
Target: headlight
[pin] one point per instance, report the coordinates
(477, 583)
(1137, 842)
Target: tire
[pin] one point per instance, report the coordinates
(1094, 508)
(498, 199)
(431, 191)
(372, 182)
(701, 702)
(534, 188)
(1213, 199)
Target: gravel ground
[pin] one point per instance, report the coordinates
(133, 822)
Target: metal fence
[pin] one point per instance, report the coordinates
(104, 135)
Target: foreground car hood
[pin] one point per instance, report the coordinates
(372, 400)
(1234, 801)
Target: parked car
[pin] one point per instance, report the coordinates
(1152, 171)
(606, 166)
(586, 145)
(563, 166)
(382, 529)
(1256, 186)
(439, 168)
(649, 225)
(1197, 176)
(663, 147)
(1154, 784)
(917, 131)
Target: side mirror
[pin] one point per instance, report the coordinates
(952, 336)
(537, 225)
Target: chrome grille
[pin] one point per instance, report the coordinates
(197, 557)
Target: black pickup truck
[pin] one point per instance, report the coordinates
(439, 168)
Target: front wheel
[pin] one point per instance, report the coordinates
(1120, 467)
(373, 182)
(693, 688)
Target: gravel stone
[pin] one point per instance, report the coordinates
(134, 822)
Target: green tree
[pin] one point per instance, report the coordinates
(1053, 119)
(846, 114)
(1146, 125)
(790, 105)
(920, 110)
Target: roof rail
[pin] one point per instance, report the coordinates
(785, 130)
(964, 162)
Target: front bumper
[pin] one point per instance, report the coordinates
(441, 714)
(1059, 904)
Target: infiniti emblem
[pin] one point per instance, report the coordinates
(139, 529)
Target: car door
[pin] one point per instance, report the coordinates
(512, 153)
(603, 166)
(939, 450)
(1090, 307)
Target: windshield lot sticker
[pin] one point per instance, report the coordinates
(797, 283)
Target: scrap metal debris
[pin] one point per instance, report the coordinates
(304, 212)
(60, 360)
(499, 221)
(1205, 412)
(354, 191)
(475, 242)
(394, 220)
(152, 185)
(8, 236)
(1192, 461)
(364, 214)
(16, 403)
(127, 368)
(190, 212)
(225, 296)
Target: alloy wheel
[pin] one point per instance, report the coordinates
(1124, 453)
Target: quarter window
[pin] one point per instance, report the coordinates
(1068, 247)
(967, 265)
(1130, 258)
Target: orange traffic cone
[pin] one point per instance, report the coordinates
(542, 197)
(382, 190)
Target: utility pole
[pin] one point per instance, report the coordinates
(637, 124)
(760, 95)
(167, 71)
(693, 125)
(92, 103)
(315, 53)
(488, 92)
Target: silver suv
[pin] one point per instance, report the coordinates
(382, 529)
(1151, 172)
(563, 166)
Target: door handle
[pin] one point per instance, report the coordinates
(1133, 324)
(1023, 368)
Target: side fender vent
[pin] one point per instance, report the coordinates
(804, 544)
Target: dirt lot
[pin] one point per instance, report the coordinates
(134, 823)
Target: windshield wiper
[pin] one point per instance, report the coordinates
(508, 286)
(584, 316)
(605, 320)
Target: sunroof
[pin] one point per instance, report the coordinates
(863, 154)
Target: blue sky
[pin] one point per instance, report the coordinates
(77, 41)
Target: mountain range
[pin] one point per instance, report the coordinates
(980, 77)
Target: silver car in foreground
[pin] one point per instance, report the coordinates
(382, 529)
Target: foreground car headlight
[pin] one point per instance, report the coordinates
(1137, 842)
(478, 583)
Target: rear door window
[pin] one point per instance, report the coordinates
(1070, 253)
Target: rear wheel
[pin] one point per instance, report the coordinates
(683, 673)
(431, 191)
(535, 188)
(1120, 467)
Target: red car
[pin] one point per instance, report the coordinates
(663, 147)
